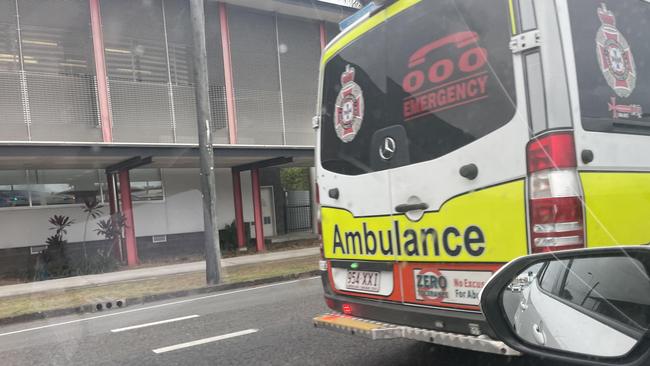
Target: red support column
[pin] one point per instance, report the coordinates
(111, 194)
(127, 211)
(112, 204)
(227, 71)
(100, 70)
(239, 210)
(257, 210)
(323, 36)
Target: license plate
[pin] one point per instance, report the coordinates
(362, 281)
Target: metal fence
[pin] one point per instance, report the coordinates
(298, 211)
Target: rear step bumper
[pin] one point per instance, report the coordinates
(378, 330)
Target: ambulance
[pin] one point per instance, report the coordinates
(456, 135)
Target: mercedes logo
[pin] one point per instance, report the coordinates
(387, 148)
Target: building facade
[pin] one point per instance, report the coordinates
(97, 101)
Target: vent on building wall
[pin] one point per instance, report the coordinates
(37, 249)
(159, 238)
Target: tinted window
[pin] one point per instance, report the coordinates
(589, 284)
(430, 86)
(553, 273)
(613, 63)
(367, 69)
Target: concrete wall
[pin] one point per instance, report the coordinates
(180, 212)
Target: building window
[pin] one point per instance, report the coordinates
(37, 188)
(61, 187)
(146, 185)
(14, 190)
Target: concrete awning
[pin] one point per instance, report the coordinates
(309, 9)
(33, 155)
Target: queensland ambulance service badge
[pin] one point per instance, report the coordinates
(348, 114)
(614, 55)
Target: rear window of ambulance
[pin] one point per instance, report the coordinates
(612, 56)
(432, 79)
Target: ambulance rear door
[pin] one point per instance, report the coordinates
(352, 190)
(459, 129)
(608, 62)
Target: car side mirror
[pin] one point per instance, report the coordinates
(587, 306)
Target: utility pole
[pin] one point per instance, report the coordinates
(208, 184)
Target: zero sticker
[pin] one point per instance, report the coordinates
(449, 286)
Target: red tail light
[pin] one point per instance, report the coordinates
(551, 152)
(320, 226)
(347, 309)
(322, 264)
(555, 194)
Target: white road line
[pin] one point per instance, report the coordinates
(204, 341)
(157, 306)
(153, 323)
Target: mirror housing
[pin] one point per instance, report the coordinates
(509, 278)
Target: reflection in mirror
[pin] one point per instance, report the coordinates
(598, 306)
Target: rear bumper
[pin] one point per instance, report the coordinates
(441, 320)
(380, 330)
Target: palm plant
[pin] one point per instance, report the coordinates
(112, 228)
(55, 244)
(60, 224)
(93, 209)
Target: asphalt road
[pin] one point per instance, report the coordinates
(267, 325)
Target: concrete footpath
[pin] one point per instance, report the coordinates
(148, 272)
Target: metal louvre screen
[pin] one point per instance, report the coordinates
(218, 111)
(179, 41)
(213, 43)
(12, 120)
(255, 71)
(148, 57)
(299, 45)
(141, 112)
(185, 110)
(8, 37)
(63, 107)
(259, 117)
(181, 76)
(134, 40)
(219, 114)
(59, 70)
(136, 61)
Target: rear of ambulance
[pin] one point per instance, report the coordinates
(457, 135)
(421, 167)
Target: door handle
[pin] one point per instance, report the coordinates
(538, 334)
(406, 207)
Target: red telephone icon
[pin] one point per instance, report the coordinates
(460, 39)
